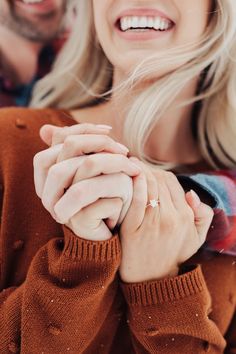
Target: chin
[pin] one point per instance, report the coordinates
(128, 67)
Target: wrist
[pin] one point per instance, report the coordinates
(138, 277)
(173, 272)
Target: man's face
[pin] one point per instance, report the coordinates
(36, 20)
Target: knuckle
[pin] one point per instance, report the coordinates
(106, 138)
(77, 192)
(171, 176)
(59, 135)
(39, 159)
(55, 172)
(122, 161)
(83, 128)
(70, 142)
(88, 163)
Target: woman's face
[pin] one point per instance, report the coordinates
(131, 30)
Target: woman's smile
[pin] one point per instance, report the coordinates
(143, 24)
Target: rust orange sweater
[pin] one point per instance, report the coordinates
(62, 294)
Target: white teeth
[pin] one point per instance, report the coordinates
(150, 22)
(143, 22)
(31, 1)
(135, 22)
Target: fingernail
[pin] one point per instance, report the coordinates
(196, 198)
(104, 126)
(123, 148)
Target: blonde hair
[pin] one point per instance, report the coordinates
(82, 74)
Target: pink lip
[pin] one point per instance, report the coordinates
(43, 7)
(142, 36)
(143, 12)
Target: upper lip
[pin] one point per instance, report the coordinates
(143, 12)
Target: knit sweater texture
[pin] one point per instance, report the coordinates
(62, 294)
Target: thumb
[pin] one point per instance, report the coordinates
(46, 133)
(203, 214)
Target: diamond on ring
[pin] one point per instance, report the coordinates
(154, 203)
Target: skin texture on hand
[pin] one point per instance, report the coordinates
(93, 193)
(84, 180)
(155, 241)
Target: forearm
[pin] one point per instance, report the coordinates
(171, 316)
(66, 297)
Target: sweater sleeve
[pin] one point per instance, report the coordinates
(217, 189)
(65, 299)
(171, 316)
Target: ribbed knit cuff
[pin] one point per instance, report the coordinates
(165, 290)
(81, 249)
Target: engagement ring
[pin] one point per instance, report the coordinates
(153, 203)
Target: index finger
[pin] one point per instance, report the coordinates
(53, 135)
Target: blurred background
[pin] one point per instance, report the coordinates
(32, 32)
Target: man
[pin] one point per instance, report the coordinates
(31, 33)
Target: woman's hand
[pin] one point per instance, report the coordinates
(83, 190)
(155, 241)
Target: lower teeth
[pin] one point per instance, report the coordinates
(143, 30)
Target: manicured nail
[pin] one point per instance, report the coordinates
(196, 198)
(104, 126)
(123, 148)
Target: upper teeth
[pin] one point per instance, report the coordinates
(31, 1)
(158, 23)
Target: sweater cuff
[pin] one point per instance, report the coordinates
(86, 250)
(165, 290)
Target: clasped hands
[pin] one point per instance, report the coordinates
(86, 181)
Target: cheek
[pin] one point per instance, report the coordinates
(194, 21)
(102, 29)
(99, 20)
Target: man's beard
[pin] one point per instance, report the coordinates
(45, 29)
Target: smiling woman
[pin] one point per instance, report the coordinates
(177, 26)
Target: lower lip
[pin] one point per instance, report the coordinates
(44, 7)
(142, 36)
